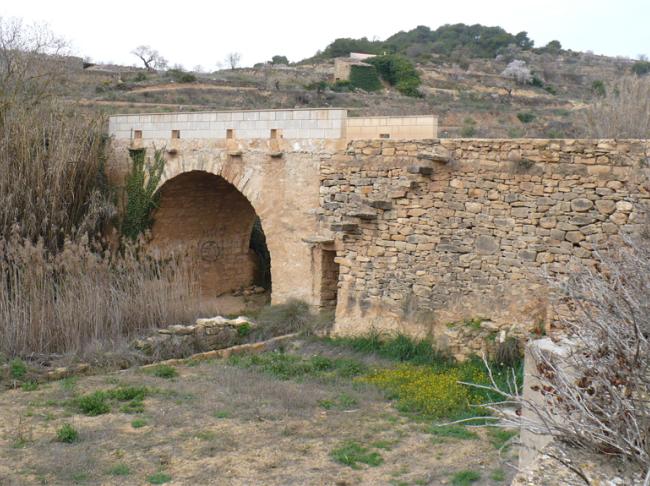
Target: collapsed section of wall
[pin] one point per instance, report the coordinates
(454, 237)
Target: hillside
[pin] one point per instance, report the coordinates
(461, 83)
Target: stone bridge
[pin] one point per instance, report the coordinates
(375, 216)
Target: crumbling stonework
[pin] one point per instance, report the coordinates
(435, 232)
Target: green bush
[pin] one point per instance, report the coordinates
(141, 195)
(67, 434)
(94, 404)
(525, 117)
(364, 77)
(398, 71)
(598, 88)
(641, 67)
(279, 60)
(468, 131)
(17, 369)
(341, 86)
(180, 76)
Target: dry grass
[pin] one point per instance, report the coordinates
(623, 113)
(241, 426)
(60, 291)
(64, 302)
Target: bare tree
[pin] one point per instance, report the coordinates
(597, 397)
(518, 71)
(151, 58)
(31, 62)
(624, 112)
(232, 59)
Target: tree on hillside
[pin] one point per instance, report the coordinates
(232, 59)
(151, 58)
(554, 47)
(518, 71)
(29, 63)
(279, 60)
(522, 40)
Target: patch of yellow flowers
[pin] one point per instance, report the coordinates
(428, 391)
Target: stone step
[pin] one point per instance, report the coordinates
(345, 227)
(420, 169)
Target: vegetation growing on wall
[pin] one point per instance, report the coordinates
(398, 71)
(364, 77)
(141, 185)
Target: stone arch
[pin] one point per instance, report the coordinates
(206, 216)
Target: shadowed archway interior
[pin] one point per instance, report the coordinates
(206, 217)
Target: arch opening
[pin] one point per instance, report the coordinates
(207, 218)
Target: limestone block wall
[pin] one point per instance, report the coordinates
(453, 237)
(278, 180)
(392, 127)
(293, 124)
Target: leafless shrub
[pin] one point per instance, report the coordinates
(518, 71)
(150, 57)
(597, 396)
(624, 112)
(31, 62)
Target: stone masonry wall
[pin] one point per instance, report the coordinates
(451, 237)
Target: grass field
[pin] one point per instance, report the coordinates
(307, 416)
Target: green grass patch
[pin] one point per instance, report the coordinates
(221, 414)
(453, 432)
(138, 423)
(500, 437)
(164, 371)
(67, 434)
(352, 453)
(69, 383)
(385, 445)
(465, 478)
(498, 475)
(400, 348)
(341, 402)
(120, 469)
(286, 366)
(159, 478)
(99, 402)
(29, 386)
(206, 435)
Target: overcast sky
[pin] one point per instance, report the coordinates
(191, 32)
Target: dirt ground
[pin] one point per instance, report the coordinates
(215, 423)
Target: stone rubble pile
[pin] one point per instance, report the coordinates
(204, 335)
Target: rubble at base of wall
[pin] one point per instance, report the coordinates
(204, 335)
(600, 470)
